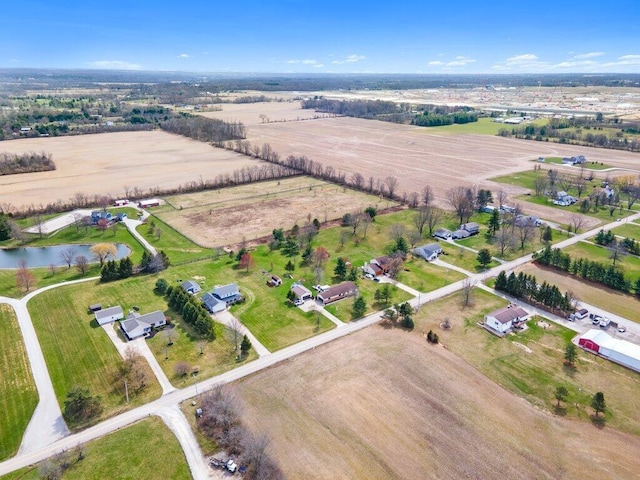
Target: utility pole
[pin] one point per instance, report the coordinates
(126, 390)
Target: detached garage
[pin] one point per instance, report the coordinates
(109, 315)
(618, 351)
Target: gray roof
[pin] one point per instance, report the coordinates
(107, 312)
(427, 250)
(343, 288)
(190, 284)
(226, 291)
(136, 324)
(212, 302)
(508, 314)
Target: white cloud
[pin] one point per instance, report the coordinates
(350, 59)
(305, 61)
(626, 58)
(527, 57)
(527, 62)
(318, 65)
(573, 64)
(309, 62)
(459, 61)
(588, 55)
(184, 55)
(114, 65)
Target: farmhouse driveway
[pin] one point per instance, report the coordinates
(131, 225)
(141, 347)
(178, 424)
(316, 306)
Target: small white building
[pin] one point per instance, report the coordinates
(109, 315)
(505, 318)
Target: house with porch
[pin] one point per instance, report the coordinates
(136, 325)
(506, 318)
(230, 293)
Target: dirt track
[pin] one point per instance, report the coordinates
(106, 163)
(384, 404)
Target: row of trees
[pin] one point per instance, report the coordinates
(527, 288)
(113, 270)
(370, 109)
(608, 275)
(209, 130)
(154, 263)
(401, 314)
(11, 163)
(434, 120)
(192, 311)
(606, 238)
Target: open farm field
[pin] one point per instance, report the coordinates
(627, 306)
(422, 156)
(383, 404)
(103, 458)
(231, 215)
(106, 163)
(18, 395)
(265, 112)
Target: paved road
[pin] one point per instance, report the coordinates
(178, 424)
(34, 455)
(131, 224)
(316, 306)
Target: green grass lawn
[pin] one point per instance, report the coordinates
(343, 309)
(120, 456)
(44, 277)
(535, 375)
(484, 126)
(177, 247)
(426, 277)
(629, 264)
(628, 230)
(77, 351)
(603, 214)
(18, 394)
(588, 165)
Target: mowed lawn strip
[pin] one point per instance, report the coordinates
(18, 394)
(126, 454)
(164, 237)
(629, 264)
(530, 363)
(78, 352)
(628, 230)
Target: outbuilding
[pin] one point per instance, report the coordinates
(191, 287)
(109, 315)
(622, 352)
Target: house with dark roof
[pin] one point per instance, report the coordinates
(506, 318)
(136, 325)
(442, 233)
(191, 287)
(377, 266)
(459, 234)
(109, 315)
(429, 252)
(338, 292)
(472, 227)
(213, 304)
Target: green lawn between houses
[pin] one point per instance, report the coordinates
(535, 373)
(126, 454)
(18, 394)
(629, 264)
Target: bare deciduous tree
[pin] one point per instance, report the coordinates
(396, 231)
(467, 289)
(82, 264)
(67, 255)
(25, 280)
(413, 199)
(357, 180)
(392, 184)
(181, 369)
(576, 222)
(459, 200)
(504, 240)
(526, 232)
(234, 334)
(427, 195)
(414, 237)
(540, 185)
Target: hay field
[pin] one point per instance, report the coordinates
(383, 404)
(250, 113)
(231, 215)
(106, 163)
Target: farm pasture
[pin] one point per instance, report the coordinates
(106, 163)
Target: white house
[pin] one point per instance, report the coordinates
(505, 318)
(429, 252)
(109, 315)
(229, 293)
(137, 325)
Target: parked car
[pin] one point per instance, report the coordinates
(604, 322)
(231, 466)
(622, 329)
(298, 302)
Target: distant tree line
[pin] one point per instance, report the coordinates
(608, 275)
(209, 130)
(370, 109)
(191, 310)
(11, 163)
(527, 288)
(427, 119)
(580, 131)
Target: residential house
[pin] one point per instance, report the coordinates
(577, 160)
(109, 315)
(505, 318)
(442, 233)
(98, 215)
(229, 293)
(213, 304)
(137, 325)
(191, 287)
(377, 266)
(472, 227)
(458, 234)
(429, 252)
(301, 292)
(527, 220)
(338, 292)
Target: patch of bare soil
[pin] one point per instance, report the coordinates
(384, 404)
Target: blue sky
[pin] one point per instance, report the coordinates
(324, 36)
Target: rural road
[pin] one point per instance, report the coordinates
(33, 454)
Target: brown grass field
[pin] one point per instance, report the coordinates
(250, 113)
(416, 156)
(106, 163)
(383, 404)
(227, 216)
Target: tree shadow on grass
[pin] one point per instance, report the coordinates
(560, 410)
(569, 370)
(598, 421)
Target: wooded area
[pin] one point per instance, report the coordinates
(25, 163)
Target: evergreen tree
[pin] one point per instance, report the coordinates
(359, 307)
(341, 269)
(146, 259)
(353, 274)
(401, 245)
(570, 353)
(494, 222)
(598, 403)
(547, 235)
(125, 268)
(245, 346)
(161, 286)
(484, 257)
(501, 282)
(290, 266)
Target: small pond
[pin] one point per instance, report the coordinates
(45, 256)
